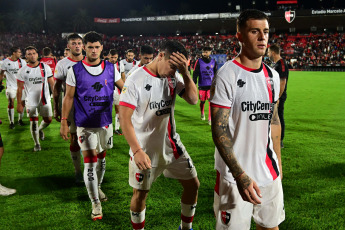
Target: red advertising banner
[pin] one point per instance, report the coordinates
(107, 20)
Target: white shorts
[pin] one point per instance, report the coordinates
(181, 169)
(43, 110)
(116, 96)
(95, 138)
(232, 212)
(11, 93)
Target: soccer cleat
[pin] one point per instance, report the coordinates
(209, 122)
(21, 123)
(118, 132)
(101, 195)
(6, 191)
(203, 117)
(179, 228)
(41, 133)
(37, 148)
(96, 213)
(79, 178)
(12, 126)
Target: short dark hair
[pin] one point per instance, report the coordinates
(129, 51)
(92, 37)
(275, 48)
(31, 48)
(67, 49)
(206, 48)
(171, 46)
(73, 36)
(146, 49)
(113, 52)
(46, 51)
(250, 14)
(14, 49)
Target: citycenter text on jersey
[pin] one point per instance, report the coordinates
(255, 106)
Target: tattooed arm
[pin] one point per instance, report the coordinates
(221, 137)
(276, 133)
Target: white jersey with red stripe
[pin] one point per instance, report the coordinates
(128, 65)
(11, 70)
(251, 95)
(153, 100)
(62, 68)
(133, 69)
(36, 83)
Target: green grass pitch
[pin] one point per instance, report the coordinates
(313, 167)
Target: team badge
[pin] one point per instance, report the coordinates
(226, 217)
(148, 87)
(290, 16)
(97, 86)
(124, 89)
(81, 139)
(139, 177)
(106, 82)
(240, 83)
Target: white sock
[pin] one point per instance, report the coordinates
(100, 168)
(43, 125)
(187, 215)
(76, 157)
(34, 129)
(10, 112)
(90, 178)
(138, 219)
(117, 122)
(20, 116)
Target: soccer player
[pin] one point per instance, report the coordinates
(49, 59)
(146, 56)
(113, 57)
(10, 68)
(246, 132)
(34, 77)
(67, 52)
(75, 44)
(204, 69)
(129, 62)
(283, 69)
(147, 106)
(90, 87)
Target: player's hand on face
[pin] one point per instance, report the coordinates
(64, 130)
(179, 61)
(248, 189)
(57, 115)
(142, 160)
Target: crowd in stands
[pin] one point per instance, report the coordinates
(301, 50)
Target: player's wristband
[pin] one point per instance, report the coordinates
(238, 177)
(136, 151)
(63, 118)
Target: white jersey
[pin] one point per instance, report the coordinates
(128, 65)
(119, 66)
(36, 83)
(11, 70)
(133, 69)
(153, 100)
(251, 95)
(62, 68)
(93, 70)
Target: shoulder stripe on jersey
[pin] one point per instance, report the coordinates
(71, 59)
(148, 71)
(127, 105)
(270, 162)
(219, 106)
(242, 66)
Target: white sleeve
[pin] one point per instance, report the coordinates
(20, 76)
(179, 84)
(222, 89)
(59, 71)
(48, 70)
(276, 86)
(129, 94)
(122, 67)
(117, 75)
(23, 62)
(3, 65)
(70, 80)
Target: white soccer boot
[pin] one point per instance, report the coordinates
(102, 196)
(6, 191)
(96, 213)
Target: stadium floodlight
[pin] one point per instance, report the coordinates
(121, 35)
(266, 2)
(141, 35)
(216, 33)
(197, 34)
(238, 7)
(253, 2)
(178, 32)
(200, 20)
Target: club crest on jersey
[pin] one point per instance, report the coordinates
(81, 139)
(139, 177)
(172, 82)
(240, 83)
(290, 16)
(97, 86)
(225, 217)
(148, 87)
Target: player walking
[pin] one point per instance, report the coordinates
(75, 44)
(34, 77)
(246, 132)
(146, 56)
(205, 68)
(49, 59)
(90, 86)
(10, 67)
(129, 61)
(147, 106)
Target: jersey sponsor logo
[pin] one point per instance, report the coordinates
(240, 83)
(260, 116)
(96, 98)
(251, 106)
(36, 80)
(148, 87)
(163, 111)
(139, 177)
(225, 217)
(97, 86)
(160, 104)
